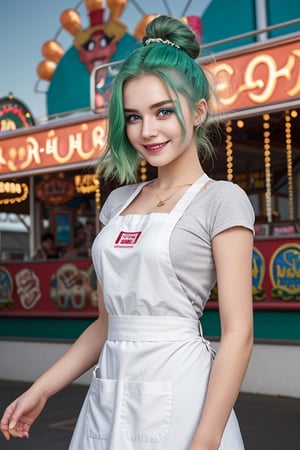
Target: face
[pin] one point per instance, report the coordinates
(48, 244)
(152, 125)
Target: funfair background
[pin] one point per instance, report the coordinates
(25, 26)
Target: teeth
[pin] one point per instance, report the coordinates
(154, 147)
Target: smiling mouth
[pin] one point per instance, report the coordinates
(155, 148)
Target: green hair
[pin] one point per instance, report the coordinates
(178, 69)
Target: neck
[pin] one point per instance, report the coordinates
(172, 178)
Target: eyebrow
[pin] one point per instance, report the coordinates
(154, 106)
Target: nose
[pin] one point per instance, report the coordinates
(149, 127)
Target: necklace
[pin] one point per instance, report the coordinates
(162, 201)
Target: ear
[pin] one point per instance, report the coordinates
(200, 112)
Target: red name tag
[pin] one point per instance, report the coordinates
(127, 239)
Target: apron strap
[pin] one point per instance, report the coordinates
(190, 194)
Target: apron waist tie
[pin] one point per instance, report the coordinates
(152, 328)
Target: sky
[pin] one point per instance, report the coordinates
(26, 25)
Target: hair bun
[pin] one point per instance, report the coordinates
(173, 30)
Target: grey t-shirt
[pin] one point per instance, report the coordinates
(217, 207)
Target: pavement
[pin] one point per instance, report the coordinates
(267, 422)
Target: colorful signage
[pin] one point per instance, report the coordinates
(54, 147)
(258, 78)
(68, 288)
(12, 192)
(275, 275)
(86, 183)
(48, 289)
(258, 275)
(55, 191)
(285, 272)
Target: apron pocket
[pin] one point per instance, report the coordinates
(146, 410)
(100, 405)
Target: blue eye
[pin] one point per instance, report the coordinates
(132, 118)
(165, 112)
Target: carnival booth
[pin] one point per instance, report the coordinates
(49, 172)
(259, 91)
(259, 88)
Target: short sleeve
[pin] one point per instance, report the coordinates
(232, 208)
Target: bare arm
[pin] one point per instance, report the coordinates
(233, 258)
(81, 356)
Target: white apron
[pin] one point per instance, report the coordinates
(148, 389)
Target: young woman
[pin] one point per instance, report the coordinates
(158, 384)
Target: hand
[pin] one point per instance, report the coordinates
(21, 413)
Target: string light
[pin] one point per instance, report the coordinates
(229, 157)
(268, 175)
(294, 114)
(143, 170)
(97, 193)
(289, 161)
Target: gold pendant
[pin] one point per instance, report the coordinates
(160, 203)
